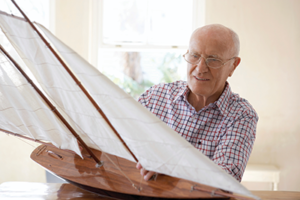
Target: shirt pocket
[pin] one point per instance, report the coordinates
(207, 147)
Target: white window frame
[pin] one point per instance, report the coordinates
(198, 20)
(94, 41)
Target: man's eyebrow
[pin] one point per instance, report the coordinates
(209, 56)
(194, 53)
(213, 56)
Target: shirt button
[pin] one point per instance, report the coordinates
(199, 142)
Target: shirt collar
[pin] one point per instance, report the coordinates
(222, 103)
(182, 93)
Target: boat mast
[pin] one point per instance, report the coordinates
(52, 107)
(76, 80)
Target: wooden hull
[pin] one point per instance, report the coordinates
(109, 181)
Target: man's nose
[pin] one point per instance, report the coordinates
(201, 66)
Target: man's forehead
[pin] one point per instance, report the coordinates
(215, 40)
(213, 48)
(199, 54)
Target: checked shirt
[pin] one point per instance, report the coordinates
(224, 130)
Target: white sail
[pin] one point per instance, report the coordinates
(23, 111)
(60, 87)
(156, 145)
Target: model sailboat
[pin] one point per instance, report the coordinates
(75, 102)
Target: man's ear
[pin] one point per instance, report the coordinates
(237, 61)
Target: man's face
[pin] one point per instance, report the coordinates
(202, 80)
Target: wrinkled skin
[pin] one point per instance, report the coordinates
(207, 84)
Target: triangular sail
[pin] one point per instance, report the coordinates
(59, 86)
(22, 111)
(156, 145)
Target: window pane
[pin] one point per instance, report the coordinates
(124, 21)
(170, 22)
(36, 10)
(152, 22)
(143, 70)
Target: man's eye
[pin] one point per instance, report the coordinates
(195, 56)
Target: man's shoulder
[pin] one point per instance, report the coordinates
(174, 85)
(241, 107)
(162, 92)
(172, 89)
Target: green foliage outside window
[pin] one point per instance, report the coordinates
(167, 67)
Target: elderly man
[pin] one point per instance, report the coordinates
(203, 110)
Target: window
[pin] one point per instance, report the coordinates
(141, 42)
(36, 10)
(147, 22)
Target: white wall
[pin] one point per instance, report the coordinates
(15, 162)
(75, 23)
(268, 76)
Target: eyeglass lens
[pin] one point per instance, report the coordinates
(195, 59)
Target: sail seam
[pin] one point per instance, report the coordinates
(28, 126)
(17, 36)
(23, 109)
(15, 86)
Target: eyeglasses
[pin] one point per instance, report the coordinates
(210, 62)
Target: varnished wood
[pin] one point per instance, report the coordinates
(58, 191)
(45, 191)
(109, 181)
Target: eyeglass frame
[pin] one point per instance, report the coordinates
(223, 63)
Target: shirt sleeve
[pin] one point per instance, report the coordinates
(147, 98)
(144, 98)
(235, 146)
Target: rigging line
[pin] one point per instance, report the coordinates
(141, 179)
(72, 75)
(104, 153)
(220, 192)
(27, 142)
(51, 106)
(133, 185)
(63, 110)
(76, 80)
(22, 136)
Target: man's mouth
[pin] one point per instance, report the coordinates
(201, 79)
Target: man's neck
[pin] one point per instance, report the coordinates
(200, 101)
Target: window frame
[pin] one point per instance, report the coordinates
(198, 20)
